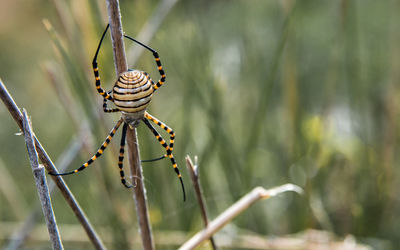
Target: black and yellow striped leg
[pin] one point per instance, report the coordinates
(169, 153)
(105, 107)
(98, 153)
(158, 62)
(121, 157)
(96, 69)
(165, 127)
(161, 70)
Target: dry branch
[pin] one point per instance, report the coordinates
(245, 202)
(48, 164)
(20, 235)
(139, 191)
(194, 175)
(41, 184)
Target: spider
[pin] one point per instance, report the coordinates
(131, 94)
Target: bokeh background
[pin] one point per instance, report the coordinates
(263, 92)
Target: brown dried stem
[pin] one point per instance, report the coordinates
(194, 175)
(20, 235)
(139, 191)
(41, 184)
(245, 202)
(48, 164)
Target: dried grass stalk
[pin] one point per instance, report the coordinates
(41, 184)
(139, 192)
(48, 164)
(245, 202)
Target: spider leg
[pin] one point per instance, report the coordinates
(158, 62)
(155, 159)
(96, 69)
(121, 157)
(166, 128)
(98, 153)
(169, 153)
(105, 107)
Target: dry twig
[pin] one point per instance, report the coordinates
(256, 194)
(20, 235)
(132, 143)
(48, 164)
(41, 184)
(194, 175)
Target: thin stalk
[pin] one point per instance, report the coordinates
(20, 235)
(48, 164)
(139, 192)
(41, 184)
(258, 193)
(194, 175)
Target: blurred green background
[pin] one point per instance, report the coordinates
(263, 92)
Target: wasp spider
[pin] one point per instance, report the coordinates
(131, 95)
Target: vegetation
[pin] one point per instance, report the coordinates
(263, 92)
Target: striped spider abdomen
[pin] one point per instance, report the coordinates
(133, 91)
(132, 94)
